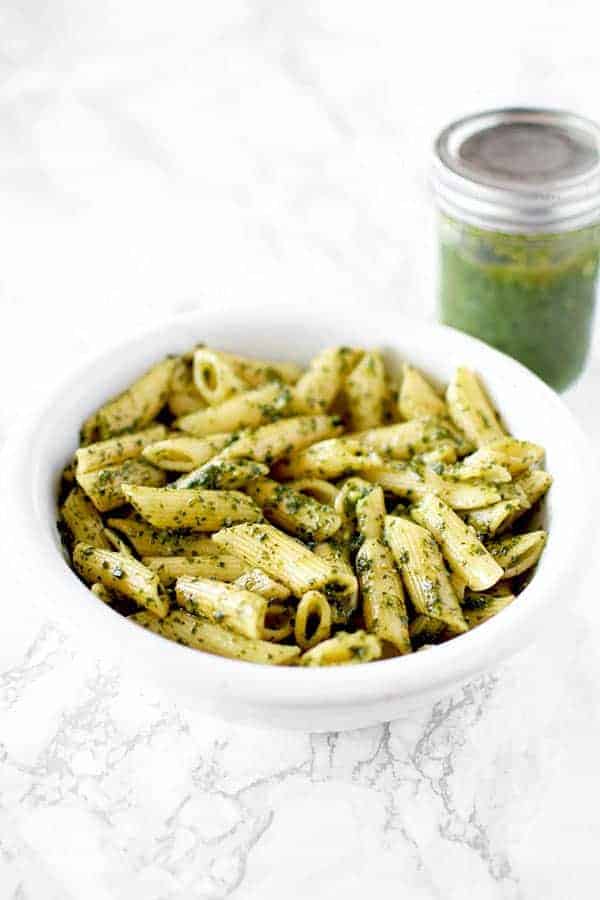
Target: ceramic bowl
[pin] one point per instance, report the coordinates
(309, 699)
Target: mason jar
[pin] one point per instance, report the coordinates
(518, 192)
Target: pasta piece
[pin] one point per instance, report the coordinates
(518, 552)
(461, 547)
(101, 593)
(116, 450)
(122, 575)
(183, 396)
(328, 459)
(383, 595)
(258, 581)
(313, 620)
(405, 439)
(534, 483)
(417, 399)
(259, 371)
(223, 474)
(135, 408)
(423, 572)
(283, 558)
(365, 389)
(343, 596)
(321, 383)
(199, 634)
(223, 604)
(459, 585)
(477, 468)
(479, 607)
(500, 516)
(444, 453)
(195, 509)
(105, 486)
(256, 372)
(426, 631)
(412, 482)
(216, 564)
(83, 521)
(471, 409)
(515, 456)
(117, 543)
(351, 491)
(149, 541)
(320, 490)
(292, 511)
(181, 453)
(247, 410)
(343, 649)
(271, 442)
(278, 622)
(370, 514)
(215, 378)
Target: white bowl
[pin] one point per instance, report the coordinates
(309, 699)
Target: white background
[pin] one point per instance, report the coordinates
(159, 157)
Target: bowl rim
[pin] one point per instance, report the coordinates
(299, 686)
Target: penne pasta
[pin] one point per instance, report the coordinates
(313, 620)
(479, 607)
(105, 486)
(258, 581)
(318, 387)
(343, 649)
(405, 439)
(183, 397)
(423, 572)
(279, 623)
(365, 389)
(184, 628)
(417, 399)
(329, 459)
(149, 541)
(292, 511)
(370, 514)
(196, 509)
(248, 410)
(122, 575)
(222, 474)
(460, 546)
(215, 378)
(135, 408)
(223, 604)
(283, 558)
(384, 607)
(471, 409)
(215, 564)
(514, 456)
(283, 438)
(254, 496)
(116, 450)
(320, 490)
(83, 520)
(182, 453)
(518, 552)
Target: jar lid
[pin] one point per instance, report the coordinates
(519, 171)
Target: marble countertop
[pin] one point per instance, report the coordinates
(153, 162)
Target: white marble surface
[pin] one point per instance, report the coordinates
(158, 157)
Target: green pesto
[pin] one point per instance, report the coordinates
(531, 296)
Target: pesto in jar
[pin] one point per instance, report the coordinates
(531, 296)
(518, 192)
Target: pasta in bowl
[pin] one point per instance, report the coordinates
(205, 529)
(330, 529)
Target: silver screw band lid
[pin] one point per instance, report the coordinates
(519, 171)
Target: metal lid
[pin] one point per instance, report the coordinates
(520, 171)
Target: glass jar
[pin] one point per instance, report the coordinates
(519, 235)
